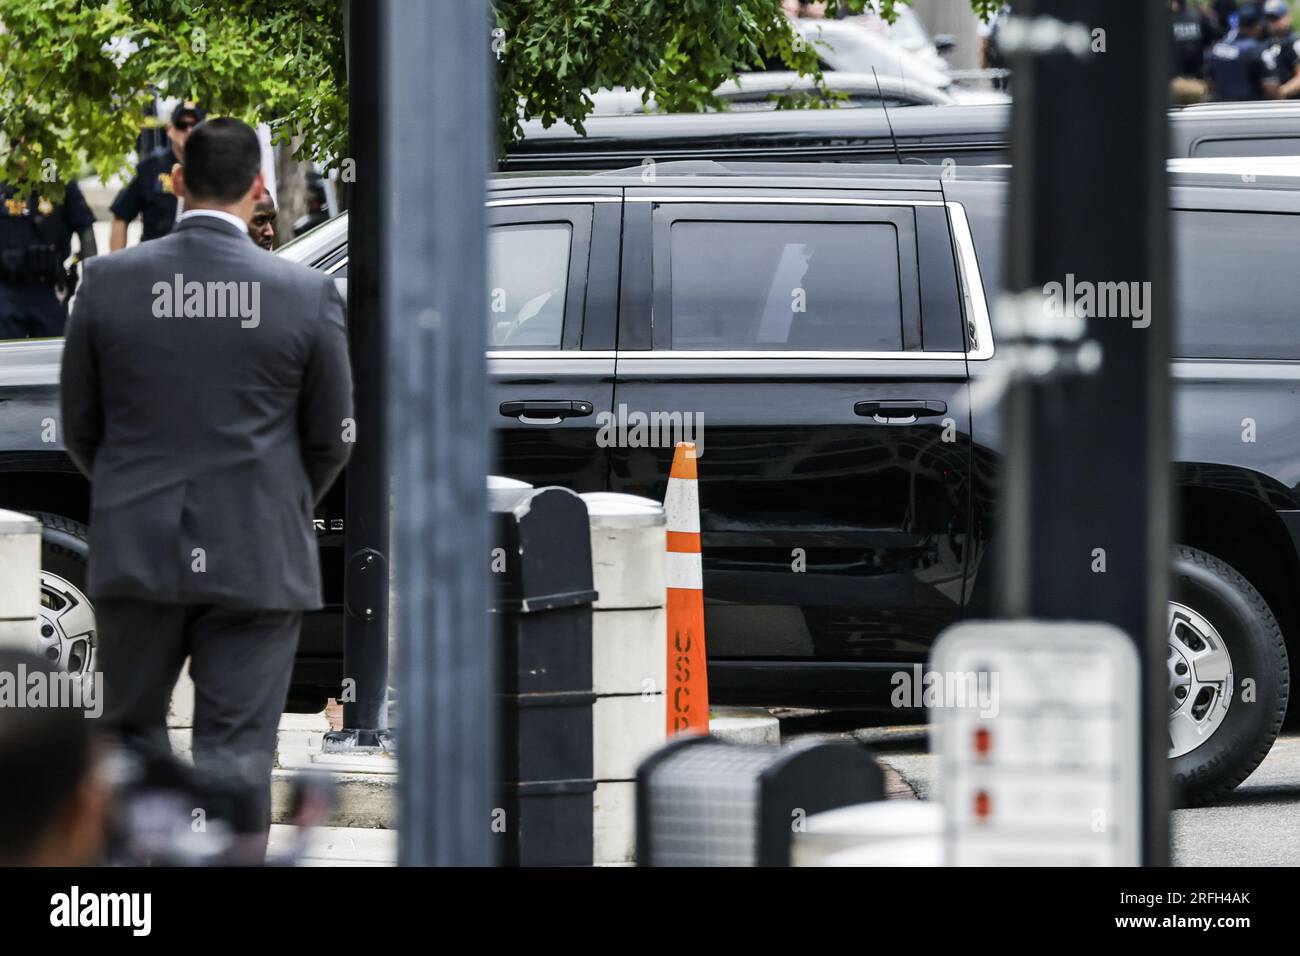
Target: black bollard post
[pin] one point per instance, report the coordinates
(541, 608)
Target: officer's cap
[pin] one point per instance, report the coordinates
(191, 109)
(1276, 8)
(1248, 14)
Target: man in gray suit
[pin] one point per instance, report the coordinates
(207, 395)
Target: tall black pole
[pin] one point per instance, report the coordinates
(435, 113)
(366, 510)
(1088, 449)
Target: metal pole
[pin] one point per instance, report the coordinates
(434, 114)
(366, 511)
(1088, 454)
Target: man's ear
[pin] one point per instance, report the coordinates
(259, 188)
(178, 180)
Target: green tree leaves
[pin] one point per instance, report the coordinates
(78, 73)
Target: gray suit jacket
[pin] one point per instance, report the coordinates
(205, 389)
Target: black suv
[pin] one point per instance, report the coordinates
(820, 331)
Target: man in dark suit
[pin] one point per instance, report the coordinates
(207, 395)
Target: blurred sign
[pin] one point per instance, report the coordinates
(1037, 736)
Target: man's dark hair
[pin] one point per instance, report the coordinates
(45, 755)
(222, 156)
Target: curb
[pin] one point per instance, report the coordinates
(365, 800)
(744, 725)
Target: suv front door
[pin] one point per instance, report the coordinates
(552, 311)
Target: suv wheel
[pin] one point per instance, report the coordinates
(68, 633)
(1229, 678)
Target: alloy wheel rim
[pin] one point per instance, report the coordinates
(67, 633)
(1200, 679)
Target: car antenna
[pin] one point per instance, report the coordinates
(888, 122)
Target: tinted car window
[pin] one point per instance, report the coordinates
(1238, 287)
(528, 275)
(786, 285)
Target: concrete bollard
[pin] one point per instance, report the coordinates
(20, 581)
(629, 659)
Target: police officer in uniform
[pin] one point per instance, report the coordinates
(150, 195)
(1241, 65)
(35, 242)
(1223, 12)
(1192, 33)
(1284, 46)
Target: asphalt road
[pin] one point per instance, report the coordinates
(1257, 825)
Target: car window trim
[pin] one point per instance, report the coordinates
(580, 219)
(974, 300)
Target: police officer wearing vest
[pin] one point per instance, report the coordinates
(1192, 32)
(1241, 65)
(150, 195)
(35, 243)
(1284, 45)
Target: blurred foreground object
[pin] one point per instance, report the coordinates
(885, 833)
(54, 801)
(701, 802)
(1038, 744)
(168, 812)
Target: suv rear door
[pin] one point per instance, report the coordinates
(553, 301)
(835, 423)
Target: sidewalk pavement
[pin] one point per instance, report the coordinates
(340, 846)
(362, 827)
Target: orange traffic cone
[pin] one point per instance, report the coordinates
(688, 678)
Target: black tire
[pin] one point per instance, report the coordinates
(1250, 632)
(65, 547)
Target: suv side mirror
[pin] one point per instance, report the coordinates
(945, 43)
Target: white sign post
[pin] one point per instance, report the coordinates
(1037, 730)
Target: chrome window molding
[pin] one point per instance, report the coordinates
(979, 329)
(30, 362)
(552, 200)
(790, 200)
(534, 354)
(796, 365)
(1234, 370)
(846, 355)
